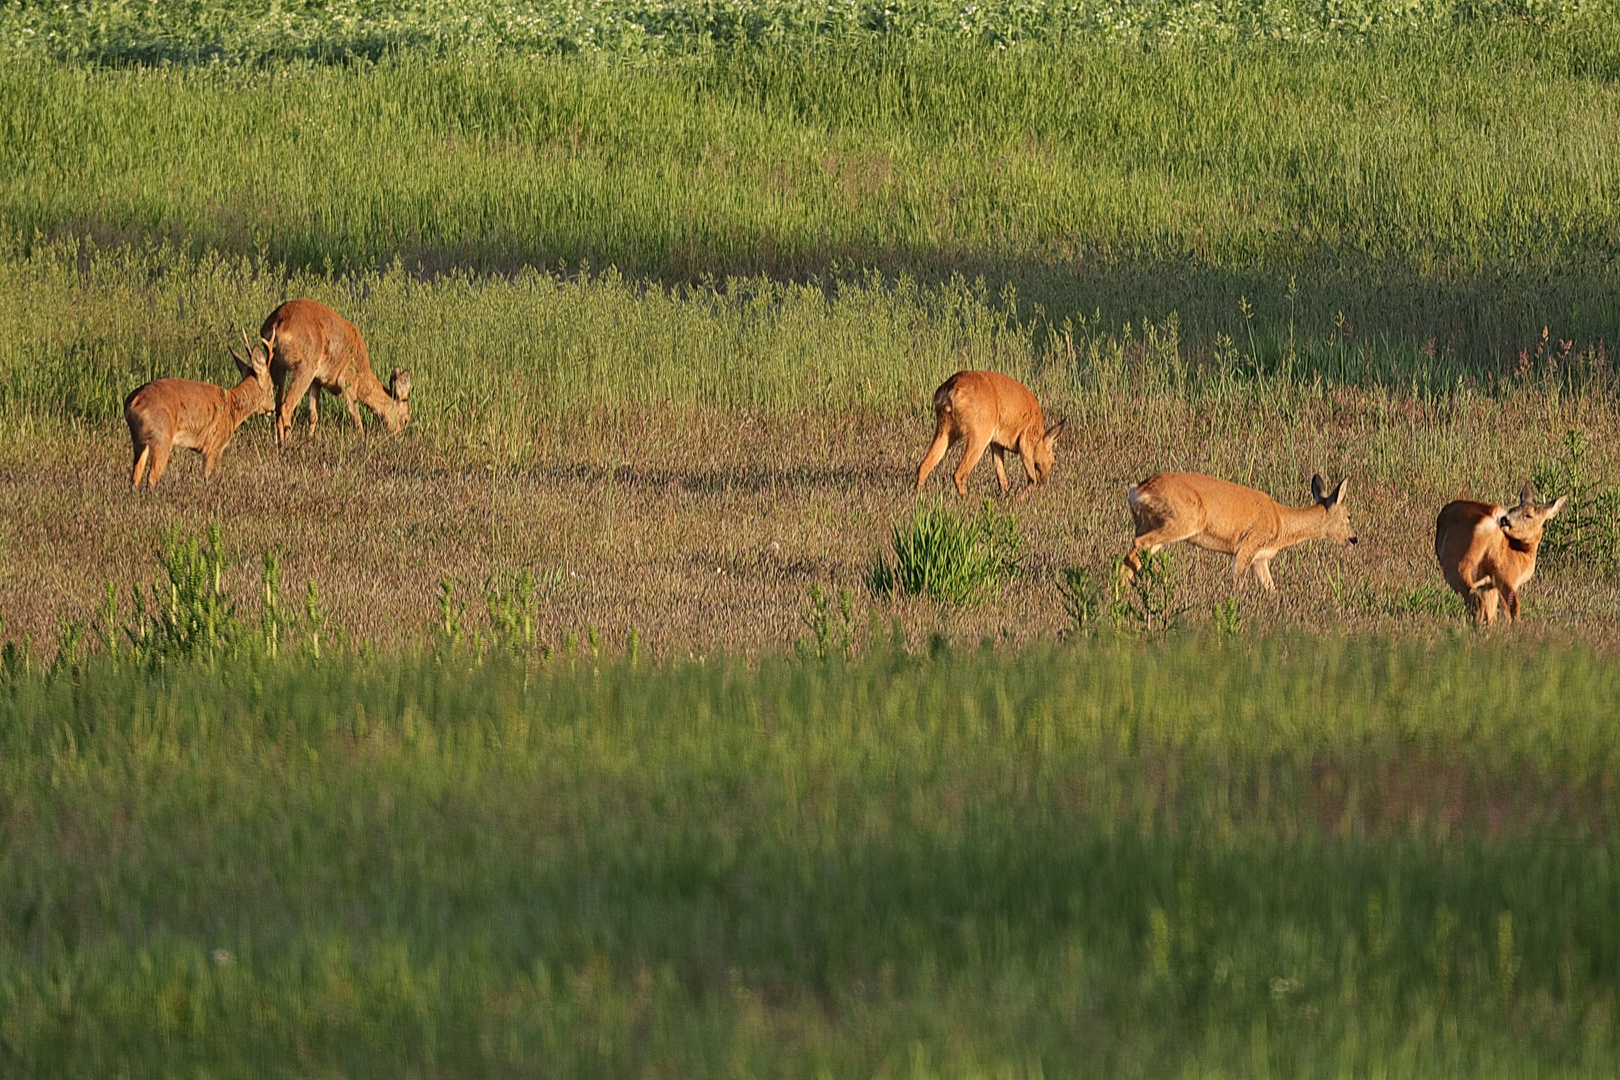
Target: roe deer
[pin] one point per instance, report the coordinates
(994, 412)
(313, 348)
(1218, 515)
(1488, 551)
(179, 412)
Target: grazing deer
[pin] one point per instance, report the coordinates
(1487, 551)
(313, 348)
(992, 412)
(179, 412)
(1218, 515)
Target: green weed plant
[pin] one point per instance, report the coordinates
(950, 557)
(1587, 529)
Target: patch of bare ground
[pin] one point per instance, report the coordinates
(703, 530)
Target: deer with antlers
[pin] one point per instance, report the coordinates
(200, 416)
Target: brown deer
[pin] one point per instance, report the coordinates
(1488, 552)
(313, 348)
(992, 412)
(1218, 515)
(200, 416)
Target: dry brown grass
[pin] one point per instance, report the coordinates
(704, 531)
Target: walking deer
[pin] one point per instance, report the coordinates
(992, 412)
(313, 348)
(200, 416)
(1488, 552)
(1218, 515)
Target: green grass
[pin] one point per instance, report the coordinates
(496, 357)
(950, 557)
(1305, 856)
(1451, 194)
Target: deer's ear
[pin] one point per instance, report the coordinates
(400, 384)
(1318, 488)
(244, 366)
(1555, 506)
(1338, 493)
(1527, 494)
(1055, 430)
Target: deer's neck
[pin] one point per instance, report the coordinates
(236, 403)
(371, 392)
(1299, 523)
(1523, 547)
(1519, 556)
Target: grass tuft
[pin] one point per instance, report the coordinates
(947, 556)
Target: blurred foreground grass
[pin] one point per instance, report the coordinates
(1297, 857)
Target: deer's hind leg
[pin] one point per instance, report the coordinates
(160, 461)
(943, 437)
(143, 454)
(1151, 540)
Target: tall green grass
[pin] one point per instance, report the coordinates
(498, 357)
(1454, 193)
(1300, 856)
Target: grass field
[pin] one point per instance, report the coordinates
(1453, 193)
(1287, 857)
(576, 737)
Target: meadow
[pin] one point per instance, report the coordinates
(1286, 856)
(575, 731)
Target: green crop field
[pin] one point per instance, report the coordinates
(628, 715)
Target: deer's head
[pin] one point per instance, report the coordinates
(1338, 526)
(1041, 453)
(254, 364)
(399, 388)
(1523, 523)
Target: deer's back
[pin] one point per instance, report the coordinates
(978, 400)
(1465, 528)
(173, 406)
(308, 333)
(1218, 509)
